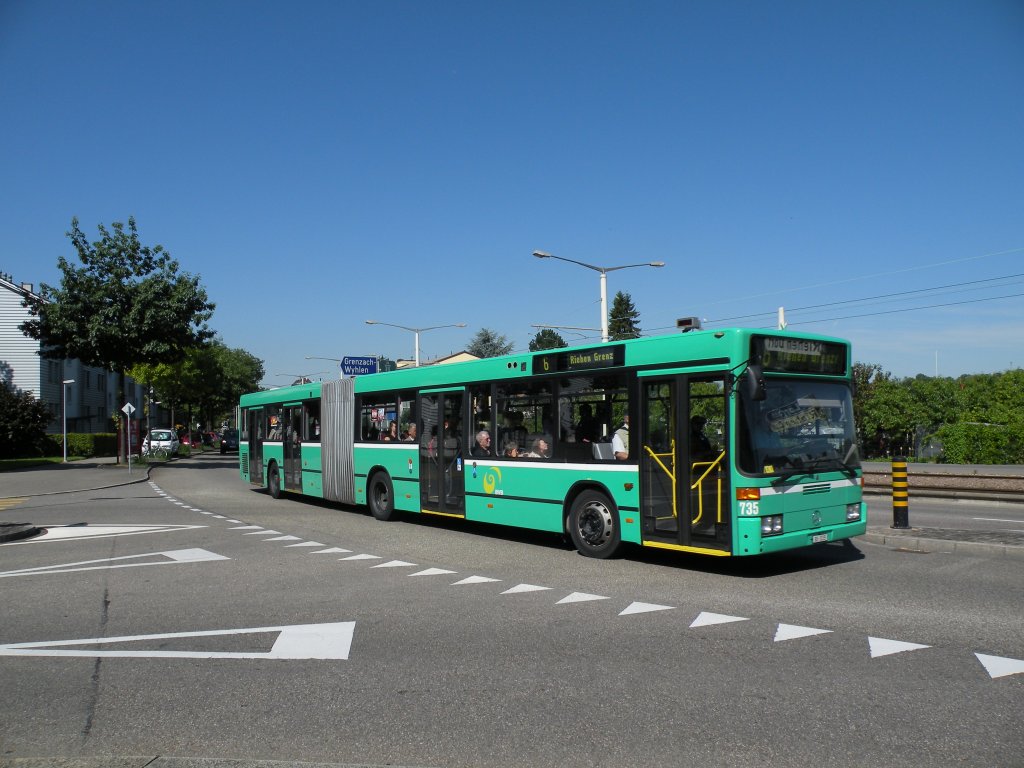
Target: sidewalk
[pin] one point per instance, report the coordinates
(86, 475)
(96, 474)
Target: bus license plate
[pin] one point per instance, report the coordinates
(818, 538)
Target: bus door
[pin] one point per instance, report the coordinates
(254, 418)
(291, 416)
(442, 441)
(684, 462)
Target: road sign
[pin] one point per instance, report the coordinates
(128, 409)
(358, 366)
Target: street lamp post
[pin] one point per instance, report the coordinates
(604, 281)
(303, 378)
(341, 372)
(64, 417)
(416, 331)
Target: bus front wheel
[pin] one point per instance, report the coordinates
(274, 482)
(381, 495)
(594, 525)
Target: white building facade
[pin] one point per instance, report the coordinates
(91, 399)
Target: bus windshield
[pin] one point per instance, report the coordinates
(803, 426)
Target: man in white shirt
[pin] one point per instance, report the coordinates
(620, 440)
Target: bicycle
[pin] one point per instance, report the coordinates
(160, 452)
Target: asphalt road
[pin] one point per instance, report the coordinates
(255, 630)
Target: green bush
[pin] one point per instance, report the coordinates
(979, 444)
(86, 444)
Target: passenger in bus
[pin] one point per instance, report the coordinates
(540, 449)
(512, 449)
(588, 430)
(483, 444)
(410, 436)
(700, 446)
(620, 440)
(392, 434)
(514, 430)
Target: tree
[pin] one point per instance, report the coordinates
(23, 421)
(488, 343)
(547, 339)
(127, 304)
(207, 382)
(623, 319)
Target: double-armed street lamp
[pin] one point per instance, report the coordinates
(64, 404)
(604, 281)
(417, 331)
(303, 378)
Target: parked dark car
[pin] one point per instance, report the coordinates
(229, 440)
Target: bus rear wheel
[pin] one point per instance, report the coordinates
(274, 482)
(381, 495)
(594, 525)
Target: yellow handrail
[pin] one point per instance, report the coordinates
(698, 483)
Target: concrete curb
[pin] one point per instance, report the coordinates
(918, 543)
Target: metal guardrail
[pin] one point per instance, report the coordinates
(949, 482)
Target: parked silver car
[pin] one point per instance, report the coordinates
(160, 441)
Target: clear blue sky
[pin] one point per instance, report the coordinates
(319, 164)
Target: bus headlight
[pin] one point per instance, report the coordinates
(771, 525)
(853, 512)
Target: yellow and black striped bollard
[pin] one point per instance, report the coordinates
(900, 493)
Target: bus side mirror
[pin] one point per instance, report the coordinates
(753, 383)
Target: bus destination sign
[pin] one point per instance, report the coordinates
(607, 356)
(800, 355)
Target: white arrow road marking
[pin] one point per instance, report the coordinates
(331, 551)
(76, 532)
(394, 564)
(306, 544)
(360, 557)
(284, 538)
(247, 528)
(475, 580)
(262, 533)
(706, 619)
(998, 666)
(432, 572)
(174, 556)
(882, 647)
(299, 641)
(580, 597)
(792, 632)
(524, 588)
(636, 607)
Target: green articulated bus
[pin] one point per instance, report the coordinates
(720, 442)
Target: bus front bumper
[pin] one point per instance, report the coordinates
(752, 542)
